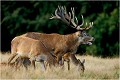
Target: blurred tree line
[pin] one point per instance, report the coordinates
(19, 17)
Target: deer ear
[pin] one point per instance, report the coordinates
(78, 33)
(83, 61)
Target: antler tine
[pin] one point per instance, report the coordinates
(69, 16)
(86, 23)
(73, 13)
(76, 20)
(51, 16)
(56, 16)
(73, 18)
(78, 27)
(65, 10)
(91, 25)
(82, 21)
(59, 7)
(88, 27)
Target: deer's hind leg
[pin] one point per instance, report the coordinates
(59, 54)
(12, 56)
(18, 62)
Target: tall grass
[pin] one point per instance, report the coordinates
(95, 68)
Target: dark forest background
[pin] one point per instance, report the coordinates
(19, 17)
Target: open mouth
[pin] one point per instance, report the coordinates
(90, 42)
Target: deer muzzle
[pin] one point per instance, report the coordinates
(91, 40)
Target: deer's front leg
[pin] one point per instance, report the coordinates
(66, 58)
(59, 53)
(59, 59)
(32, 62)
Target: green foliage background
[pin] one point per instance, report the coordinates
(18, 17)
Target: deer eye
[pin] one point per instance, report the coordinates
(84, 34)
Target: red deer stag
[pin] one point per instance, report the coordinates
(62, 44)
(24, 47)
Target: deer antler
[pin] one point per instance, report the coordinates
(60, 13)
(69, 19)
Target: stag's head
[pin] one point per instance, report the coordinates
(71, 20)
(81, 66)
(84, 38)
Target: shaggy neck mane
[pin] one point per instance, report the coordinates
(72, 40)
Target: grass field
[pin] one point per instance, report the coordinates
(95, 68)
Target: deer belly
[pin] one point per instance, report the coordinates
(41, 58)
(22, 54)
